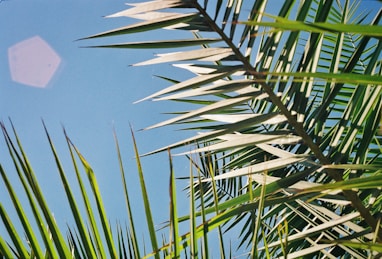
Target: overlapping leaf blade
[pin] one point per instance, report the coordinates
(314, 75)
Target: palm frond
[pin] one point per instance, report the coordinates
(293, 91)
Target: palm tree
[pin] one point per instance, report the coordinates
(288, 103)
(289, 106)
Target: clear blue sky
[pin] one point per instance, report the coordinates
(92, 91)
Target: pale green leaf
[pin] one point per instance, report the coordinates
(307, 251)
(275, 150)
(319, 27)
(186, 55)
(333, 77)
(153, 15)
(354, 166)
(190, 83)
(219, 87)
(317, 229)
(217, 133)
(234, 118)
(237, 141)
(368, 182)
(159, 44)
(196, 69)
(365, 246)
(145, 26)
(207, 109)
(147, 7)
(267, 166)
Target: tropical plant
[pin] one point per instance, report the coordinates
(92, 235)
(288, 102)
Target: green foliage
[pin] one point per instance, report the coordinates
(288, 102)
(289, 109)
(87, 239)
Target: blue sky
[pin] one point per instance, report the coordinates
(92, 92)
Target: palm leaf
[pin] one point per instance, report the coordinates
(311, 71)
